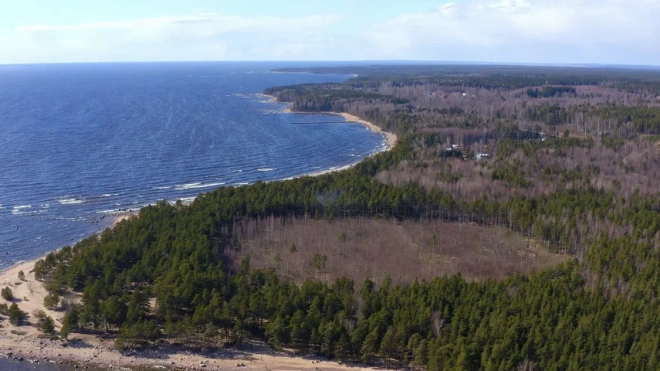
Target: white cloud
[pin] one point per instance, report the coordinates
(525, 31)
(200, 25)
(203, 36)
(550, 31)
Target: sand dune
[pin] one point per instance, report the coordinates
(26, 342)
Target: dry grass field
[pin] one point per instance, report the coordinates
(373, 248)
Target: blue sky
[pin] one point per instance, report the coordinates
(521, 31)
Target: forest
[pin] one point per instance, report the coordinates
(565, 157)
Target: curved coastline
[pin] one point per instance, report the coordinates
(25, 342)
(390, 138)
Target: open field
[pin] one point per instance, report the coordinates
(375, 248)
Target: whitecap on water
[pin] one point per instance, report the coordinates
(197, 185)
(70, 201)
(265, 169)
(19, 210)
(105, 195)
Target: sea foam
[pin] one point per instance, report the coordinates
(70, 201)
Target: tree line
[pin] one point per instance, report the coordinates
(167, 275)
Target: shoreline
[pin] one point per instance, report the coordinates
(390, 139)
(26, 342)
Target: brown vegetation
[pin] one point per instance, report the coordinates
(375, 248)
(617, 153)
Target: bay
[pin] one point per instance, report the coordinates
(80, 143)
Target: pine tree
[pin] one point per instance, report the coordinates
(47, 325)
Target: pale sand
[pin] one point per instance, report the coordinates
(30, 294)
(88, 349)
(390, 138)
(124, 216)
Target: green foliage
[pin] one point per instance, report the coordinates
(493, 77)
(47, 326)
(21, 275)
(511, 175)
(319, 261)
(52, 301)
(596, 314)
(16, 316)
(39, 314)
(550, 91)
(7, 294)
(70, 322)
(614, 143)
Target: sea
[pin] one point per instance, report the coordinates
(8, 365)
(83, 143)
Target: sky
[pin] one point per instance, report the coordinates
(498, 31)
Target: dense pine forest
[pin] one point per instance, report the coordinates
(565, 157)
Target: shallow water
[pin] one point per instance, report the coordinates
(8, 365)
(80, 143)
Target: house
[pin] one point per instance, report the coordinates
(481, 155)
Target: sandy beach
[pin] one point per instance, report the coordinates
(390, 138)
(124, 216)
(26, 342)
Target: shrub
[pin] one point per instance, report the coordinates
(21, 276)
(64, 304)
(7, 294)
(16, 316)
(47, 325)
(52, 301)
(70, 322)
(39, 314)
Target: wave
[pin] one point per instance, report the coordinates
(76, 219)
(71, 201)
(162, 187)
(105, 195)
(45, 206)
(241, 95)
(197, 185)
(265, 169)
(18, 210)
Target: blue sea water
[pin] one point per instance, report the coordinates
(81, 142)
(9, 365)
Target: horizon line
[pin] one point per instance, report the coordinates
(362, 61)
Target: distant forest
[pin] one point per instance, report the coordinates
(564, 158)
